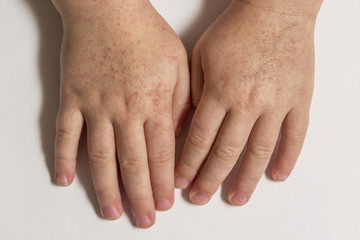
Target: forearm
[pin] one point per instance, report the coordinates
(94, 8)
(288, 7)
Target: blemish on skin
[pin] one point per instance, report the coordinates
(173, 59)
(158, 126)
(138, 42)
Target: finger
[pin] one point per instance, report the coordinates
(134, 168)
(69, 126)
(197, 77)
(102, 156)
(260, 147)
(293, 134)
(181, 98)
(203, 130)
(224, 155)
(160, 142)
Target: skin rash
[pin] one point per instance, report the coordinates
(125, 74)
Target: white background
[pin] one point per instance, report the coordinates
(321, 200)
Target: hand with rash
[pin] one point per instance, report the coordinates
(125, 74)
(252, 77)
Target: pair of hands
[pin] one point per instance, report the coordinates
(125, 74)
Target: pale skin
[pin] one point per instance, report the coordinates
(124, 73)
(252, 77)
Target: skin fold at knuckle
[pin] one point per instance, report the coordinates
(196, 137)
(100, 158)
(132, 167)
(260, 152)
(162, 157)
(226, 153)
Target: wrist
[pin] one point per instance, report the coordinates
(84, 9)
(299, 8)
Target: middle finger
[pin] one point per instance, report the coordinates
(132, 155)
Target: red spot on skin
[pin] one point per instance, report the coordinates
(158, 126)
(138, 42)
(172, 59)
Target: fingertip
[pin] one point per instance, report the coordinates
(280, 176)
(238, 199)
(64, 177)
(144, 221)
(163, 205)
(199, 198)
(111, 212)
(181, 183)
(62, 180)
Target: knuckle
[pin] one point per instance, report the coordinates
(61, 158)
(63, 134)
(226, 153)
(162, 157)
(261, 151)
(99, 158)
(131, 167)
(196, 137)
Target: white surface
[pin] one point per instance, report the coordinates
(320, 200)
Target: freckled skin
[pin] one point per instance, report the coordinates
(124, 72)
(252, 78)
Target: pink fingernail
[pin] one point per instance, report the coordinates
(62, 180)
(163, 205)
(143, 221)
(239, 199)
(181, 182)
(200, 198)
(111, 213)
(282, 176)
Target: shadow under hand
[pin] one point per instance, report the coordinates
(50, 31)
(210, 11)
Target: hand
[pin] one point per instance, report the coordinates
(251, 76)
(125, 74)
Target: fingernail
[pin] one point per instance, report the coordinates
(62, 180)
(111, 213)
(282, 176)
(163, 205)
(181, 182)
(239, 199)
(143, 221)
(200, 198)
